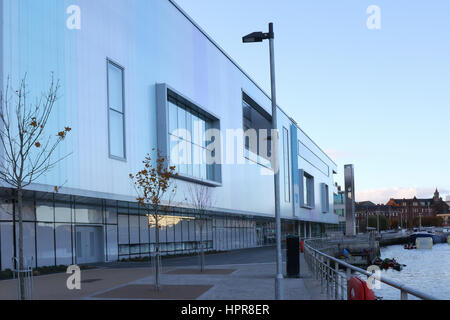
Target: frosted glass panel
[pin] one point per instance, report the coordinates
(170, 230)
(112, 242)
(44, 212)
(27, 211)
(6, 211)
(144, 229)
(178, 227)
(63, 244)
(209, 230)
(185, 230)
(123, 229)
(134, 229)
(45, 245)
(111, 215)
(28, 240)
(6, 248)
(152, 233)
(191, 230)
(88, 214)
(63, 212)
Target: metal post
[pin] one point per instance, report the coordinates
(336, 281)
(403, 295)
(327, 276)
(349, 275)
(321, 274)
(304, 230)
(279, 276)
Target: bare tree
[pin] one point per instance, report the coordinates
(200, 198)
(155, 191)
(26, 148)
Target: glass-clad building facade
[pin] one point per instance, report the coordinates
(66, 230)
(149, 80)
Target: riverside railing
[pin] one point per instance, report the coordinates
(334, 273)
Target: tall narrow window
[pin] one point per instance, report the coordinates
(116, 110)
(257, 125)
(325, 198)
(287, 180)
(307, 191)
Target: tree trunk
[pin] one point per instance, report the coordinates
(21, 257)
(157, 256)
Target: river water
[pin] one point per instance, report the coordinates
(426, 270)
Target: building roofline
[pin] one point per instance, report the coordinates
(242, 70)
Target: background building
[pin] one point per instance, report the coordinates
(405, 212)
(134, 73)
(339, 208)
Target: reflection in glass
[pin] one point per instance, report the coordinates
(44, 212)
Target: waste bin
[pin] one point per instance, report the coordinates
(293, 256)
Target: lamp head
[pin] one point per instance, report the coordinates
(254, 37)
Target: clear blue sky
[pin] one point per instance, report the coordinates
(379, 99)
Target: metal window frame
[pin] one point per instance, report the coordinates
(286, 165)
(111, 156)
(304, 202)
(163, 91)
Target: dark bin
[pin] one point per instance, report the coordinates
(293, 256)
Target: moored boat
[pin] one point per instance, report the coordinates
(436, 237)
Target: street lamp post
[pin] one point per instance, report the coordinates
(259, 37)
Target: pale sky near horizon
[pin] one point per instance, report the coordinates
(379, 99)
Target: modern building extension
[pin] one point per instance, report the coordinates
(132, 74)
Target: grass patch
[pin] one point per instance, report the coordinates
(8, 273)
(165, 257)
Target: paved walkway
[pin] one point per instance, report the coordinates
(230, 276)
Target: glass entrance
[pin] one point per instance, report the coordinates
(89, 245)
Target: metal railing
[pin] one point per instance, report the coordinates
(25, 275)
(334, 274)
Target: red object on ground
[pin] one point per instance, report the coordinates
(357, 289)
(302, 246)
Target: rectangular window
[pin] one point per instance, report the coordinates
(287, 180)
(325, 198)
(116, 111)
(257, 125)
(307, 192)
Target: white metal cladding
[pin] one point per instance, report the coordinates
(155, 43)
